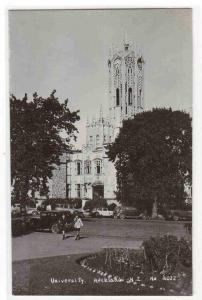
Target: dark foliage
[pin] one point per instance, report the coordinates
(153, 158)
(36, 142)
(163, 254)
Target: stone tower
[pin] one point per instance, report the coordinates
(99, 132)
(126, 89)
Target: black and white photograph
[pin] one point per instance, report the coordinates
(100, 107)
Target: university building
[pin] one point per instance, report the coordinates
(87, 173)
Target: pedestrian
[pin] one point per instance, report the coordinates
(77, 225)
(63, 224)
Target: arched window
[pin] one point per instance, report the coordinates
(130, 96)
(98, 166)
(88, 167)
(105, 139)
(117, 97)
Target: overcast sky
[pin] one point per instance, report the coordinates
(67, 50)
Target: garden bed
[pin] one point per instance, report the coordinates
(162, 267)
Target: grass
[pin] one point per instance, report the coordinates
(39, 276)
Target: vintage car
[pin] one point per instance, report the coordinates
(102, 212)
(32, 211)
(179, 215)
(50, 220)
(124, 212)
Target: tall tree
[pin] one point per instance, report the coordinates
(36, 141)
(153, 158)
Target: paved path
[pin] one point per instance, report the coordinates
(96, 234)
(37, 245)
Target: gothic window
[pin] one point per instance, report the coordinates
(110, 139)
(117, 97)
(87, 166)
(78, 190)
(97, 140)
(98, 166)
(130, 96)
(125, 87)
(78, 167)
(126, 110)
(105, 140)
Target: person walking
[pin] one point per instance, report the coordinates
(63, 224)
(77, 225)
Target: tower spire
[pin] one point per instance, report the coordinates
(126, 43)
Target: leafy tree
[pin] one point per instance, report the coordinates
(36, 142)
(153, 158)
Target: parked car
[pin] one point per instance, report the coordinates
(179, 215)
(50, 220)
(62, 207)
(102, 212)
(124, 212)
(32, 211)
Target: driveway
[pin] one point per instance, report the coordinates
(96, 234)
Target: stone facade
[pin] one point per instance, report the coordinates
(88, 173)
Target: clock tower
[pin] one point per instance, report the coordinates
(126, 90)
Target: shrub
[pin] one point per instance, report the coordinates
(163, 254)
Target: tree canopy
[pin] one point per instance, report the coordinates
(153, 158)
(36, 141)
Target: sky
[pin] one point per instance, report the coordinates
(67, 50)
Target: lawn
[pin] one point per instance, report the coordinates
(165, 270)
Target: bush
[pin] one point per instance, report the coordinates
(163, 254)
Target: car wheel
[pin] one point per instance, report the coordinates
(55, 228)
(122, 216)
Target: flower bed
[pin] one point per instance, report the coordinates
(162, 266)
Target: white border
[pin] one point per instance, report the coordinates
(5, 274)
